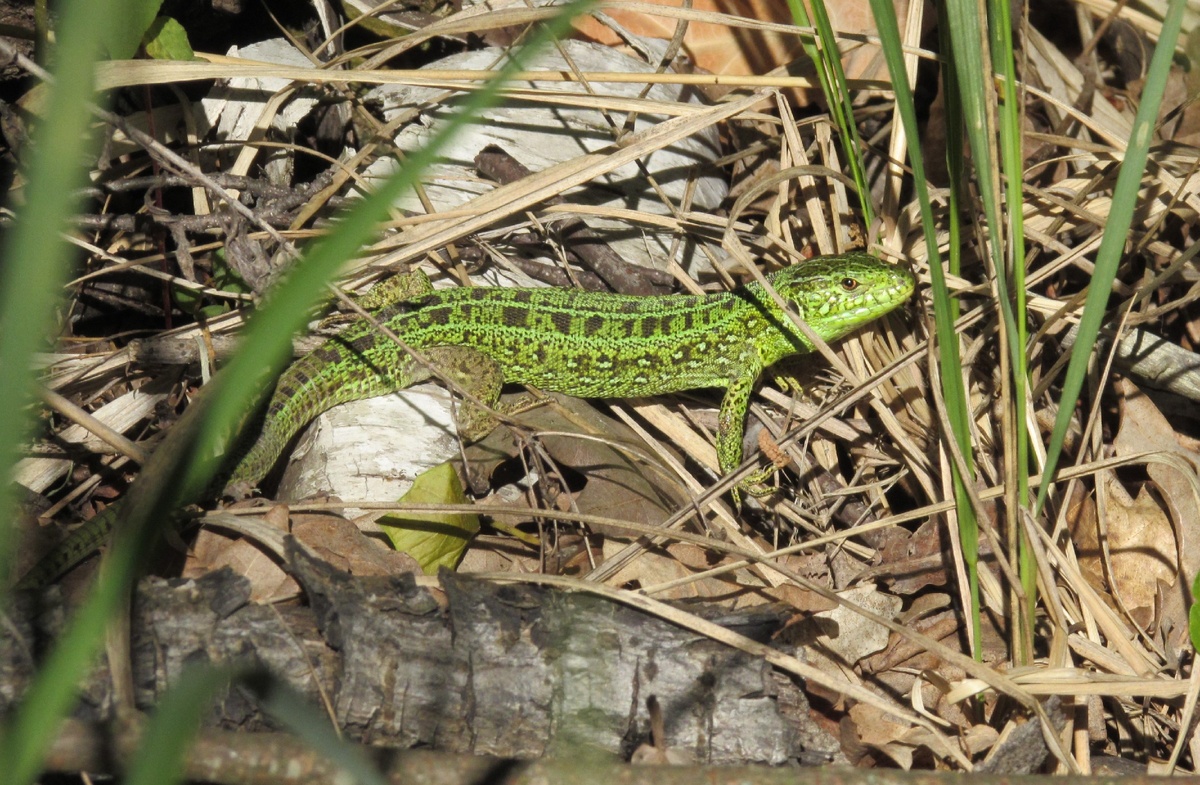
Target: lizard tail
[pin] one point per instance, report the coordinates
(329, 376)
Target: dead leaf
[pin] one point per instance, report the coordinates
(879, 731)
(215, 549)
(721, 48)
(680, 560)
(332, 537)
(857, 636)
(802, 600)
(618, 485)
(909, 563)
(492, 556)
(1141, 547)
(340, 542)
(1143, 429)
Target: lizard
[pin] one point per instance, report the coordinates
(584, 344)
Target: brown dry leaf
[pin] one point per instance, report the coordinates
(681, 560)
(810, 565)
(496, 559)
(342, 544)
(901, 651)
(332, 537)
(618, 485)
(1141, 544)
(717, 48)
(842, 637)
(1179, 112)
(801, 599)
(1145, 429)
(881, 732)
(857, 636)
(724, 49)
(214, 549)
(909, 563)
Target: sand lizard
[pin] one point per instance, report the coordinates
(586, 344)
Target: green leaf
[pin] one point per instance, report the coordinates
(434, 540)
(167, 40)
(123, 38)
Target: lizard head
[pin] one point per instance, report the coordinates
(836, 294)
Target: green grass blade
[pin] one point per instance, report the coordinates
(1013, 166)
(826, 57)
(291, 710)
(956, 162)
(181, 473)
(971, 39)
(52, 693)
(36, 263)
(36, 259)
(161, 755)
(1116, 232)
(169, 732)
(958, 409)
(945, 306)
(968, 50)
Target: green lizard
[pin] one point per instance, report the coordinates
(586, 344)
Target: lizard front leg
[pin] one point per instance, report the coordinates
(731, 429)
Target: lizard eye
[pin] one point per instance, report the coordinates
(849, 284)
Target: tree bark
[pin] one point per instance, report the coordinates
(507, 671)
